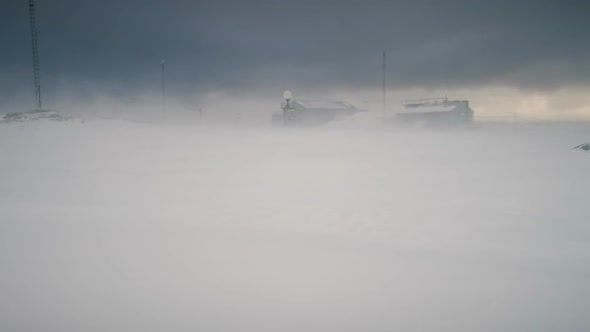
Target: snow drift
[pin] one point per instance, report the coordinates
(135, 227)
(33, 116)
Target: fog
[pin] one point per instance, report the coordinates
(112, 225)
(161, 197)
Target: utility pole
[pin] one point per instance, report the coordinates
(287, 95)
(384, 82)
(35, 55)
(163, 93)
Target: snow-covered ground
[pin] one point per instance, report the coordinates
(119, 226)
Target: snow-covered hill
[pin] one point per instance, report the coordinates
(115, 226)
(34, 116)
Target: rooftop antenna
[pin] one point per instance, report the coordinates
(163, 93)
(35, 55)
(287, 95)
(384, 77)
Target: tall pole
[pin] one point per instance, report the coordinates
(285, 110)
(163, 93)
(35, 55)
(384, 77)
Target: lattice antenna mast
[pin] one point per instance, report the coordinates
(384, 83)
(35, 55)
(163, 92)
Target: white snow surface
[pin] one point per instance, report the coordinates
(116, 226)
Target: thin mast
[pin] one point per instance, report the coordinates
(384, 81)
(35, 55)
(163, 93)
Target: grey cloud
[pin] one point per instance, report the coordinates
(236, 44)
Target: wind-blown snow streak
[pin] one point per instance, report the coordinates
(114, 226)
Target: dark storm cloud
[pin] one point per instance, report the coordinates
(236, 44)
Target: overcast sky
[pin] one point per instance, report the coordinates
(115, 46)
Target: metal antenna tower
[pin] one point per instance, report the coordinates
(163, 93)
(35, 55)
(384, 68)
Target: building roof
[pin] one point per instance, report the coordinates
(322, 105)
(428, 109)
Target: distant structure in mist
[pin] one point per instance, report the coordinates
(163, 86)
(435, 112)
(305, 112)
(38, 104)
(384, 83)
